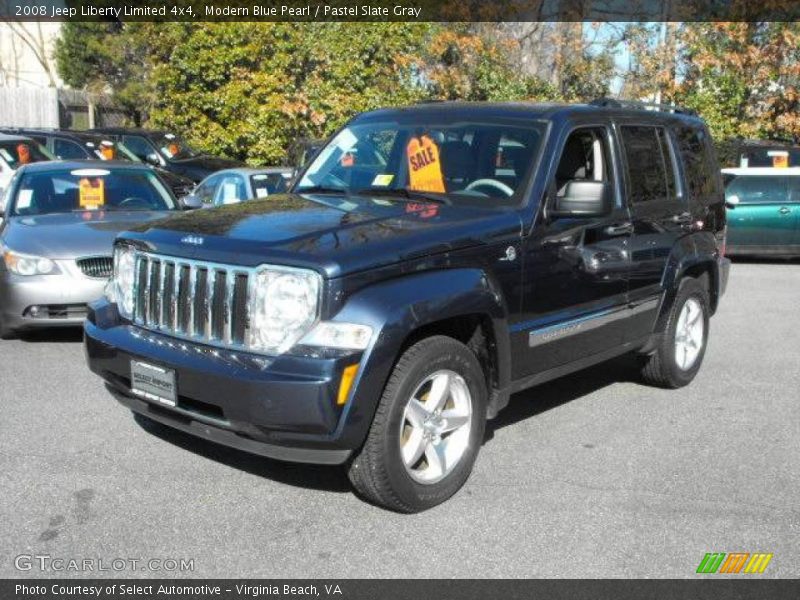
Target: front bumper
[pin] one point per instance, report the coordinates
(282, 407)
(63, 299)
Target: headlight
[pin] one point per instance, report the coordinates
(23, 264)
(346, 336)
(120, 288)
(283, 307)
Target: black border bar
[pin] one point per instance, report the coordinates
(700, 588)
(399, 10)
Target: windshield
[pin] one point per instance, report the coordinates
(173, 147)
(63, 190)
(18, 153)
(110, 150)
(266, 184)
(484, 163)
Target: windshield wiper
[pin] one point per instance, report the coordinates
(320, 189)
(404, 194)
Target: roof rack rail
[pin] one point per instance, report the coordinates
(614, 103)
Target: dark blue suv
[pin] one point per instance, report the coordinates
(428, 263)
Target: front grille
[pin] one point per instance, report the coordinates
(99, 267)
(205, 302)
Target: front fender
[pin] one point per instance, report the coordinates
(398, 307)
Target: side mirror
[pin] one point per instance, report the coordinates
(191, 202)
(583, 199)
(152, 159)
(732, 201)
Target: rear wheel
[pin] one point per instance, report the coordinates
(5, 332)
(427, 429)
(680, 352)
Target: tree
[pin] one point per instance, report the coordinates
(743, 78)
(116, 58)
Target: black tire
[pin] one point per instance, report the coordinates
(5, 332)
(661, 368)
(378, 472)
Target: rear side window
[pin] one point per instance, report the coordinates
(651, 177)
(763, 190)
(66, 149)
(701, 176)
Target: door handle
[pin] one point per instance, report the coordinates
(684, 217)
(784, 210)
(625, 228)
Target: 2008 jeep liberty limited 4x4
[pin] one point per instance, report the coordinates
(429, 262)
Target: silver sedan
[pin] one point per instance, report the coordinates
(58, 221)
(230, 186)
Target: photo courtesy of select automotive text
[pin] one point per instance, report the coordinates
(399, 299)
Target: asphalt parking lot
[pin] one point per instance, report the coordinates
(590, 476)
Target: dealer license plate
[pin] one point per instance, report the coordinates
(153, 383)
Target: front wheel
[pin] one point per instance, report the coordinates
(427, 429)
(680, 352)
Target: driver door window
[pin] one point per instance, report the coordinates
(139, 146)
(584, 158)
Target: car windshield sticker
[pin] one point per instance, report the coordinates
(780, 158)
(24, 153)
(424, 166)
(262, 192)
(24, 199)
(90, 173)
(92, 193)
(382, 179)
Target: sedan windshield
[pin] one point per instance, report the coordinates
(62, 190)
(18, 153)
(173, 147)
(484, 163)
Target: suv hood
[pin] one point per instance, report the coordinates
(335, 234)
(71, 235)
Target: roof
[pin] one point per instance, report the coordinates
(255, 170)
(79, 136)
(4, 137)
(761, 171)
(84, 164)
(531, 110)
(126, 131)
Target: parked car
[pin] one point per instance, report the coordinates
(77, 145)
(169, 151)
(764, 211)
(230, 186)
(758, 153)
(15, 151)
(57, 228)
(431, 261)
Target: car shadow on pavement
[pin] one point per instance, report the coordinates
(51, 336)
(314, 477)
(547, 396)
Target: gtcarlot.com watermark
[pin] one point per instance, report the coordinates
(65, 564)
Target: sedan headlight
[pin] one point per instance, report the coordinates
(24, 264)
(120, 287)
(283, 307)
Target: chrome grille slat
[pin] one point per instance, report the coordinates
(205, 302)
(192, 295)
(227, 323)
